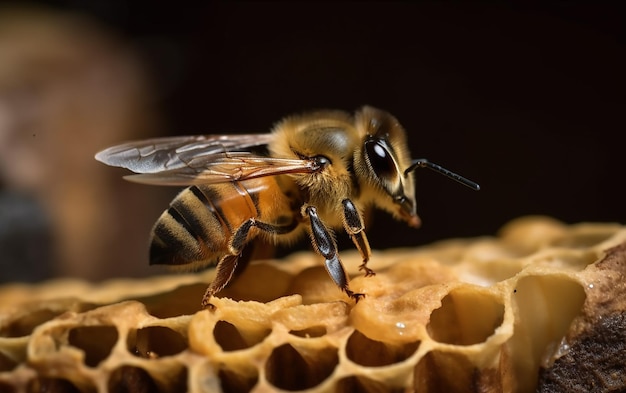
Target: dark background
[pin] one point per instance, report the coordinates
(528, 101)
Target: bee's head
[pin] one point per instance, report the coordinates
(384, 156)
(387, 166)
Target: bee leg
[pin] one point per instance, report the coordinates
(225, 269)
(325, 245)
(227, 266)
(354, 226)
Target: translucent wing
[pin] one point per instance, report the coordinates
(200, 159)
(163, 154)
(224, 167)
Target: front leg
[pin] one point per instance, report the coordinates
(325, 245)
(354, 226)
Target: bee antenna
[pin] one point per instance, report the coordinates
(424, 163)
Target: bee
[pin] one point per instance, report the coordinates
(312, 174)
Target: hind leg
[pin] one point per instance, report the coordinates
(227, 266)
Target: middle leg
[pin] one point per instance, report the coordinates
(354, 226)
(325, 245)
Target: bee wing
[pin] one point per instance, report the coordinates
(171, 153)
(203, 159)
(225, 167)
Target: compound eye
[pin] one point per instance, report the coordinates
(322, 161)
(380, 159)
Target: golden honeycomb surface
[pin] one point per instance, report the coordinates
(539, 307)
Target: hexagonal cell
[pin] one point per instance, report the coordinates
(313, 285)
(155, 341)
(361, 384)
(56, 385)
(95, 341)
(487, 273)
(468, 315)
(251, 284)
(230, 338)
(236, 381)
(440, 371)
(126, 379)
(307, 367)
(371, 353)
(24, 326)
(547, 306)
(184, 300)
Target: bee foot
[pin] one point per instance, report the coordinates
(207, 305)
(355, 296)
(368, 272)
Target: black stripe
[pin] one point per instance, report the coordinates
(207, 196)
(166, 248)
(200, 195)
(198, 228)
(176, 215)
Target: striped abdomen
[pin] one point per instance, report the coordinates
(195, 230)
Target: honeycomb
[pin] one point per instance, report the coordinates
(539, 307)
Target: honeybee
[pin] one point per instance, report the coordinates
(312, 174)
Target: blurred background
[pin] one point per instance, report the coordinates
(527, 100)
